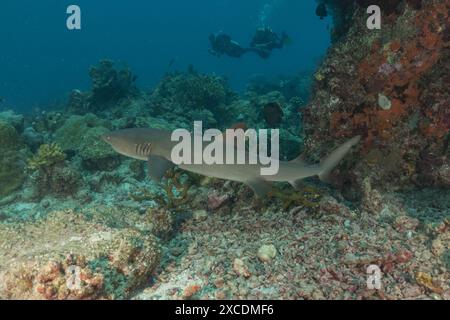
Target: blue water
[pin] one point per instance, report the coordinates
(41, 61)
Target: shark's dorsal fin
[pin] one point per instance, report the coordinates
(157, 166)
(259, 186)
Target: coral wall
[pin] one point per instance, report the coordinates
(391, 87)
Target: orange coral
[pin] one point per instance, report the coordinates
(399, 81)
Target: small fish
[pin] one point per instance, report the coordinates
(240, 125)
(322, 11)
(155, 146)
(273, 114)
(2, 99)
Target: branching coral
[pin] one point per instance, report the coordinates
(110, 85)
(175, 185)
(50, 173)
(11, 170)
(193, 96)
(306, 196)
(46, 158)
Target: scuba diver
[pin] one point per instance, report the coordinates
(222, 43)
(266, 40)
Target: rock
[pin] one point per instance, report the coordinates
(68, 257)
(200, 215)
(267, 252)
(32, 138)
(82, 135)
(384, 102)
(160, 221)
(441, 244)
(11, 160)
(411, 291)
(191, 290)
(215, 200)
(16, 120)
(329, 205)
(241, 268)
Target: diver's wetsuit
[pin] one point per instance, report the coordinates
(265, 40)
(222, 44)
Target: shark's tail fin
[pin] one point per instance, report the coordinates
(329, 163)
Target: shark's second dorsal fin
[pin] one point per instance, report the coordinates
(300, 160)
(331, 161)
(259, 186)
(157, 166)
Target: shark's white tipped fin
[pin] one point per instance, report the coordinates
(157, 166)
(259, 186)
(329, 163)
(296, 184)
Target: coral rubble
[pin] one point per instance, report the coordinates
(67, 257)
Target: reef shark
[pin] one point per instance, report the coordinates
(155, 146)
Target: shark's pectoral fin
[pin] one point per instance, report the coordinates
(296, 184)
(259, 186)
(157, 166)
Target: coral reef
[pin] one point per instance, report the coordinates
(377, 84)
(46, 158)
(193, 96)
(110, 85)
(297, 86)
(82, 135)
(51, 175)
(87, 223)
(11, 159)
(67, 257)
(305, 256)
(14, 119)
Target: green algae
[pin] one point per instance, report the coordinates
(115, 283)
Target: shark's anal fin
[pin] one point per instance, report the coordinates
(157, 166)
(259, 186)
(296, 184)
(300, 160)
